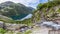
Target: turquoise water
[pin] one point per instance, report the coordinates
(19, 16)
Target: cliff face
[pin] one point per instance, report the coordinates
(47, 11)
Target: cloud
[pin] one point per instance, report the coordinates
(32, 3)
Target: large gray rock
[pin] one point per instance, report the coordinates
(1, 24)
(13, 27)
(24, 28)
(51, 24)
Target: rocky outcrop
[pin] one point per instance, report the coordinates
(48, 11)
(14, 27)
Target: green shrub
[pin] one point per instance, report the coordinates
(27, 32)
(2, 31)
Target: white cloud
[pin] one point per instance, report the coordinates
(32, 3)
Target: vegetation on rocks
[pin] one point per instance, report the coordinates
(48, 4)
(47, 11)
(26, 21)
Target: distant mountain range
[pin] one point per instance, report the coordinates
(14, 10)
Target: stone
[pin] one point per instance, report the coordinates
(12, 27)
(1, 24)
(24, 28)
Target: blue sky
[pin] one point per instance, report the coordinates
(31, 3)
(43, 1)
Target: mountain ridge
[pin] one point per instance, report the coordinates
(14, 10)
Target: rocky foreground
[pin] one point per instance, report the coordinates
(38, 28)
(15, 28)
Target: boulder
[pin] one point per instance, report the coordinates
(24, 28)
(13, 27)
(1, 24)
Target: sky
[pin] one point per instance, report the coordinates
(30, 3)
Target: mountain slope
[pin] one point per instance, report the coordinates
(14, 10)
(47, 11)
